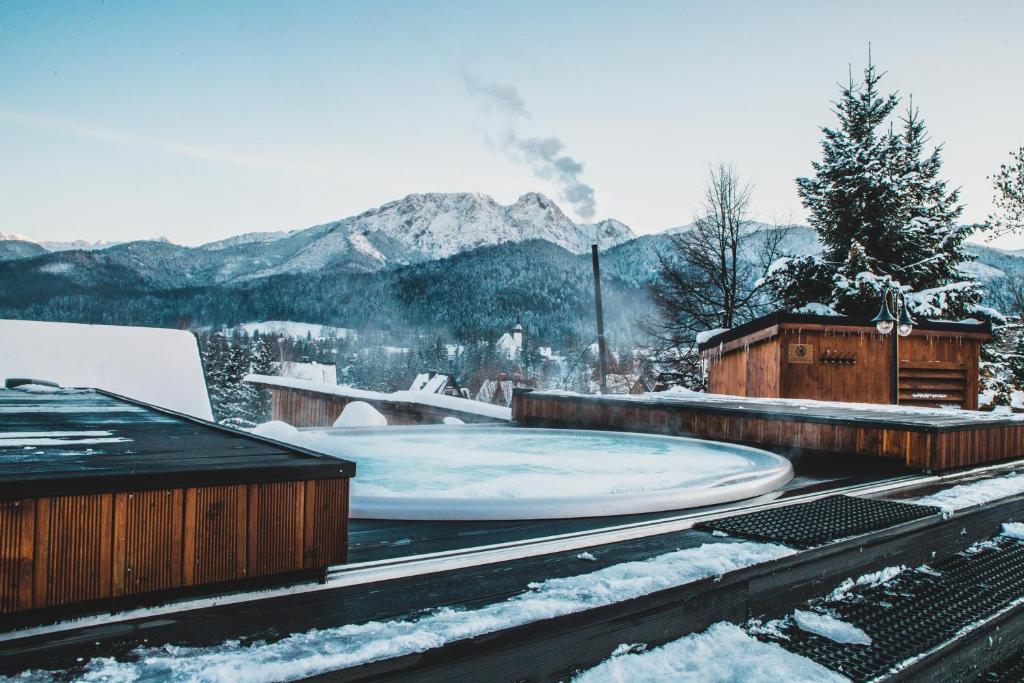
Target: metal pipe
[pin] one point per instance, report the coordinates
(601, 352)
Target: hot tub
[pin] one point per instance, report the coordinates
(499, 472)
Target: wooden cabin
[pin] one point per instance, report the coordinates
(838, 358)
(106, 502)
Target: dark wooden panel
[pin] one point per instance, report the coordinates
(17, 536)
(275, 527)
(73, 549)
(147, 541)
(326, 524)
(215, 534)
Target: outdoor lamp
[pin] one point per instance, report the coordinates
(885, 320)
(906, 325)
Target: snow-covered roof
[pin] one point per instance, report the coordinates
(455, 403)
(152, 365)
(314, 372)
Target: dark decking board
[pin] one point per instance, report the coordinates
(159, 449)
(548, 650)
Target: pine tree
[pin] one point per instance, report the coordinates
(883, 215)
(262, 363)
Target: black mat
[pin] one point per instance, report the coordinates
(915, 611)
(819, 522)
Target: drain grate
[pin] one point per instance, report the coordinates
(819, 522)
(915, 611)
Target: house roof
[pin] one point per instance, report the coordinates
(784, 318)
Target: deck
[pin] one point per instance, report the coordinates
(103, 498)
(917, 438)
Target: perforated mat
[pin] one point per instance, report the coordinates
(822, 521)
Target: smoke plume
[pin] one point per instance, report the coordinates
(543, 154)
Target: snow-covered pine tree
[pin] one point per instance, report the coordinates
(239, 395)
(261, 363)
(883, 215)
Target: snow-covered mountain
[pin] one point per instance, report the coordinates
(424, 227)
(417, 228)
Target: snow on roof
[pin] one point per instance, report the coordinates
(463, 405)
(152, 365)
(682, 395)
(313, 372)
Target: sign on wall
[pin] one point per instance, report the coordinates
(801, 353)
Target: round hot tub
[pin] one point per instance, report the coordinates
(497, 472)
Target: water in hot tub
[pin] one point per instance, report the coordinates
(516, 463)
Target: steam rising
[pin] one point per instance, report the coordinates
(543, 154)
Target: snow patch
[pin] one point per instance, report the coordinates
(722, 654)
(360, 414)
(1013, 530)
(975, 493)
(827, 626)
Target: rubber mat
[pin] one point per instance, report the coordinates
(819, 522)
(915, 611)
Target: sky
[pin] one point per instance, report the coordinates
(197, 121)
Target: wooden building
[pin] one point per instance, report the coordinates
(105, 501)
(308, 404)
(838, 358)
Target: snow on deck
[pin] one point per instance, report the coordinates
(682, 396)
(722, 654)
(455, 403)
(320, 650)
(975, 493)
(152, 365)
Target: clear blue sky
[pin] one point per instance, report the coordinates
(128, 120)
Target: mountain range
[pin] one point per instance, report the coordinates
(417, 228)
(460, 263)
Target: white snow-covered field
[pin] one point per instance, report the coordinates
(494, 472)
(152, 365)
(294, 330)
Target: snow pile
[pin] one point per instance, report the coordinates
(152, 365)
(360, 414)
(453, 421)
(865, 580)
(306, 654)
(975, 493)
(827, 626)
(722, 654)
(816, 308)
(702, 337)
(1013, 530)
(453, 403)
(278, 431)
(38, 389)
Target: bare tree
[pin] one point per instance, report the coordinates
(710, 276)
(1008, 201)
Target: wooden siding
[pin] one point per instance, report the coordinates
(302, 408)
(758, 366)
(916, 447)
(76, 548)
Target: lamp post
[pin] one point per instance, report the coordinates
(894, 319)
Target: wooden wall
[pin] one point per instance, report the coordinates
(301, 408)
(75, 548)
(935, 369)
(914, 448)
